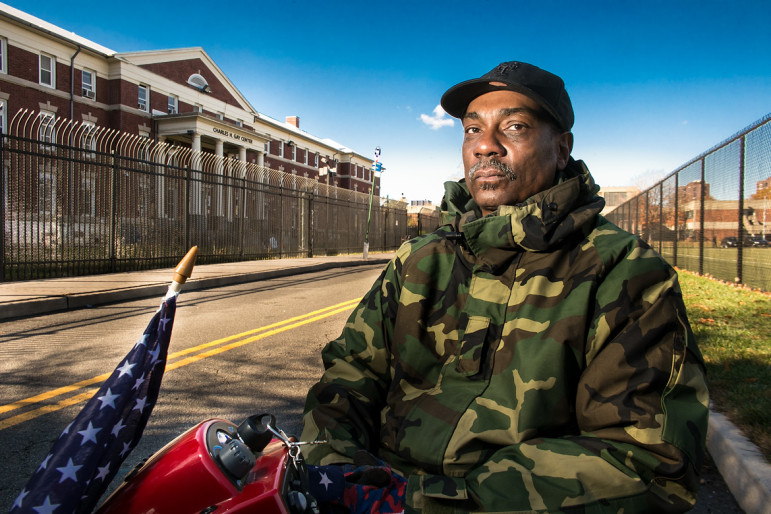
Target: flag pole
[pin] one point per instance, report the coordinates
(184, 270)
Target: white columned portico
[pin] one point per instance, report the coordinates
(219, 170)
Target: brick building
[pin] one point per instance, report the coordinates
(179, 96)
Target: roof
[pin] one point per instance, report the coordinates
(50, 28)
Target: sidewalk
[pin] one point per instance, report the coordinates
(741, 464)
(35, 297)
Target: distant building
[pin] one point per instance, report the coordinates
(615, 196)
(178, 96)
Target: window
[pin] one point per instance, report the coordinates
(88, 84)
(87, 203)
(305, 158)
(316, 160)
(47, 133)
(239, 123)
(3, 55)
(143, 152)
(173, 104)
(280, 148)
(46, 190)
(294, 152)
(198, 108)
(3, 114)
(47, 70)
(143, 98)
(220, 115)
(89, 136)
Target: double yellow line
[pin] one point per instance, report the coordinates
(194, 354)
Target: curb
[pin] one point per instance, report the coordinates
(49, 304)
(742, 466)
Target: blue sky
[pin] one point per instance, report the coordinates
(653, 83)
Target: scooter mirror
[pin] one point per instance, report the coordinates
(255, 431)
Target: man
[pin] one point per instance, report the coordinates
(528, 355)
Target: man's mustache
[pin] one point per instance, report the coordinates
(492, 163)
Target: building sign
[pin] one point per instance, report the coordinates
(238, 137)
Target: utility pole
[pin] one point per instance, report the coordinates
(376, 167)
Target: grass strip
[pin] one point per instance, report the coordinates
(733, 329)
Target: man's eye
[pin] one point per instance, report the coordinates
(516, 127)
(471, 130)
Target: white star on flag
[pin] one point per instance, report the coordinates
(325, 481)
(139, 382)
(108, 399)
(45, 462)
(20, 498)
(154, 354)
(69, 471)
(118, 427)
(142, 340)
(125, 369)
(140, 406)
(103, 472)
(89, 434)
(46, 507)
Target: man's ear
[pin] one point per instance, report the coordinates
(564, 143)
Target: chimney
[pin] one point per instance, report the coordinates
(293, 120)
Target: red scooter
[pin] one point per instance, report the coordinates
(218, 467)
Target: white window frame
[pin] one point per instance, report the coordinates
(146, 89)
(47, 130)
(52, 71)
(239, 123)
(91, 86)
(89, 136)
(173, 104)
(198, 108)
(3, 115)
(221, 116)
(3, 55)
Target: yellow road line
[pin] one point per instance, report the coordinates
(262, 332)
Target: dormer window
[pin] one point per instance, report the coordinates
(197, 81)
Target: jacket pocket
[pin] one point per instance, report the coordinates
(472, 346)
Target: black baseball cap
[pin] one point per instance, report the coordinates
(546, 89)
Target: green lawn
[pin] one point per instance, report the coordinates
(733, 329)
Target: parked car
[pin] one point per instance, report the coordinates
(756, 241)
(729, 242)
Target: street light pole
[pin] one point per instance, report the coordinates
(376, 166)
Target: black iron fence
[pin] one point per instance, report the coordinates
(711, 215)
(80, 199)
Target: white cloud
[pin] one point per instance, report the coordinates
(438, 120)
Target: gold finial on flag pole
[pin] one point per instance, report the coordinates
(184, 270)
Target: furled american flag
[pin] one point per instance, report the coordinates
(89, 452)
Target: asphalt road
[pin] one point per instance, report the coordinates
(278, 327)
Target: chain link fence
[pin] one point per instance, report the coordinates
(711, 215)
(80, 199)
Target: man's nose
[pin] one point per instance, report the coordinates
(489, 144)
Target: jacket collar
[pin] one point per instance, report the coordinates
(539, 224)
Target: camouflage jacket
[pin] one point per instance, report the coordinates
(534, 360)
